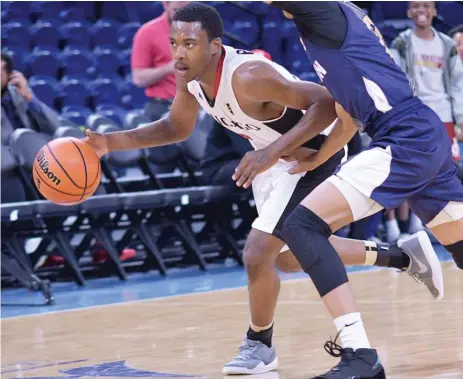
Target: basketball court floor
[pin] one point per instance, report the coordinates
(136, 330)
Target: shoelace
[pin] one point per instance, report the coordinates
(246, 351)
(335, 350)
(332, 348)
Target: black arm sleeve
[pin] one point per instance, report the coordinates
(323, 23)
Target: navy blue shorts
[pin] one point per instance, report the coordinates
(410, 159)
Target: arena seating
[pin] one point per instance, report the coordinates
(77, 58)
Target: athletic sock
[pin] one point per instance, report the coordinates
(261, 334)
(351, 331)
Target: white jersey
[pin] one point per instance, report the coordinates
(227, 112)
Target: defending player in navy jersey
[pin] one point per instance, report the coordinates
(409, 159)
(264, 103)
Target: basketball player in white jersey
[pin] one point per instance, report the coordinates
(264, 103)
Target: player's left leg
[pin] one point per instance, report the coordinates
(307, 231)
(333, 204)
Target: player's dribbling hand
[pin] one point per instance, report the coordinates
(252, 164)
(97, 141)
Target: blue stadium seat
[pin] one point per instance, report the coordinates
(44, 9)
(75, 34)
(43, 62)
(451, 12)
(44, 90)
(229, 11)
(124, 61)
(17, 10)
(15, 34)
(76, 114)
(114, 78)
(73, 92)
(5, 17)
(295, 54)
(272, 41)
(19, 57)
(95, 120)
(146, 11)
(132, 97)
(257, 7)
(44, 34)
(104, 91)
(104, 33)
(76, 62)
(381, 10)
(113, 112)
(48, 79)
(79, 11)
(390, 29)
(126, 33)
(247, 31)
(118, 10)
(274, 15)
(135, 118)
(106, 61)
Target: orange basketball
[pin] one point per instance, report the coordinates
(67, 171)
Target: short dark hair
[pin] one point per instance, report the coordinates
(410, 3)
(455, 30)
(208, 16)
(9, 64)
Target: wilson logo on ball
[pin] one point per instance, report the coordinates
(43, 164)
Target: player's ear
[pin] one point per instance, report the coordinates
(409, 14)
(216, 45)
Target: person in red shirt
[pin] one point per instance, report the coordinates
(152, 65)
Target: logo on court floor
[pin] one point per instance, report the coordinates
(111, 369)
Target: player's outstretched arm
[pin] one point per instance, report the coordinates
(342, 132)
(261, 82)
(176, 126)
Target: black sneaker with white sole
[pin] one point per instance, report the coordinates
(358, 364)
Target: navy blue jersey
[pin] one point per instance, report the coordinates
(359, 72)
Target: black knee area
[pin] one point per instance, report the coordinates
(456, 250)
(307, 236)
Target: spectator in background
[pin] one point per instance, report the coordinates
(152, 64)
(430, 60)
(457, 34)
(20, 108)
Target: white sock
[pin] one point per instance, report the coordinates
(415, 224)
(393, 231)
(352, 333)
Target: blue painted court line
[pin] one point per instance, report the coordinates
(139, 286)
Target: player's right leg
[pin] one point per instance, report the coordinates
(444, 218)
(256, 353)
(450, 235)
